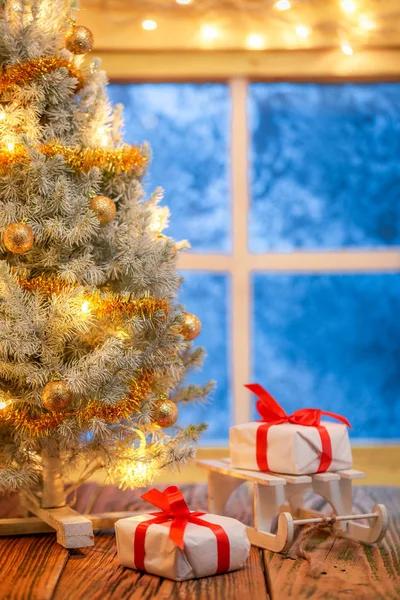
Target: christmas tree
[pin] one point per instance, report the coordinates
(94, 348)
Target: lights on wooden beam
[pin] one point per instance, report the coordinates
(209, 33)
(149, 25)
(347, 48)
(366, 23)
(282, 5)
(357, 21)
(303, 31)
(348, 6)
(255, 41)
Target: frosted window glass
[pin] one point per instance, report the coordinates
(187, 126)
(207, 295)
(331, 342)
(325, 166)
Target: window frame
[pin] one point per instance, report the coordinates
(241, 263)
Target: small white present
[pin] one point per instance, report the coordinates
(179, 544)
(294, 444)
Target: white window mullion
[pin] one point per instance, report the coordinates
(241, 292)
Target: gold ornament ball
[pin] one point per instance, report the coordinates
(191, 327)
(56, 395)
(79, 40)
(165, 413)
(18, 238)
(104, 208)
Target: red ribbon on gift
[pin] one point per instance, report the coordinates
(174, 509)
(272, 413)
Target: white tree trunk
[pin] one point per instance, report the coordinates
(53, 487)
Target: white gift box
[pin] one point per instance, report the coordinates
(291, 449)
(199, 557)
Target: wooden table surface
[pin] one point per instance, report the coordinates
(37, 568)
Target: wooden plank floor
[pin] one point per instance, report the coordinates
(37, 568)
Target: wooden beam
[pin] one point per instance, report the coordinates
(279, 65)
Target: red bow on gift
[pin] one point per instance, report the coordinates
(272, 413)
(174, 509)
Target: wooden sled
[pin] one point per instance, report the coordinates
(278, 499)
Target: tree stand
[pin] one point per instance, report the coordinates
(279, 498)
(53, 515)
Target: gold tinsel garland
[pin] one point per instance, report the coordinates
(103, 304)
(46, 284)
(43, 424)
(124, 159)
(23, 73)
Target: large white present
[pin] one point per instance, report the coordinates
(294, 444)
(179, 544)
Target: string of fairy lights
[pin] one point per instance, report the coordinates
(210, 32)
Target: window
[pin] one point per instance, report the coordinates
(295, 267)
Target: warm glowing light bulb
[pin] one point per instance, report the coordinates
(141, 469)
(121, 334)
(103, 136)
(2, 115)
(255, 41)
(347, 48)
(303, 31)
(157, 222)
(348, 6)
(11, 146)
(137, 474)
(209, 33)
(85, 308)
(367, 23)
(149, 25)
(183, 1)
(3, 404)
(283, 5)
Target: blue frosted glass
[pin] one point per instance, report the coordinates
(207, 295)
(325, 165)
(187, 126)
(331, 342)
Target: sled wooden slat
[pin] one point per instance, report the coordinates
(326, 476)
(296, 479)
(224, 468)
(351, 474)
